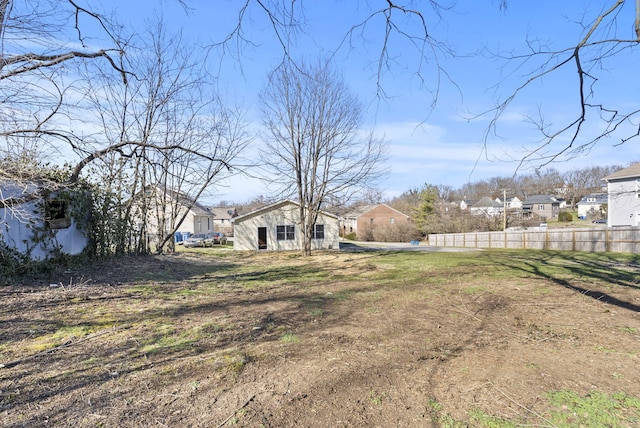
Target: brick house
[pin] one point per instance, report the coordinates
(364, 220)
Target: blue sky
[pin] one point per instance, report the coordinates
(436, 145)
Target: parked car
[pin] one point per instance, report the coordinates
(200, 240)
(219, 238)
(600, 221)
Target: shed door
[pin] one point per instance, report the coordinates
(262, 238)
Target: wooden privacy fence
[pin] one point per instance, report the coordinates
(616, 240)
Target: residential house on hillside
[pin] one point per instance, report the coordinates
(486, 207)
(511, 203)
(277, 227)
(592, 205)
(40, 223)
(465, 203)
(562, 203)
(222, 219)
(623, 191)
(364, 220)
(541, 206)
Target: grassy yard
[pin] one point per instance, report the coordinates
(212, 337)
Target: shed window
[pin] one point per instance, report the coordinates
(57, 213)
(318, 231)
(285, 232)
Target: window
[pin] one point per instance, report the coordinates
(318, 231)
(637, 189)
(57, 214)
(541, 207)
(392, 220)
(285, 233)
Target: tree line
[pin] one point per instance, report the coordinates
(436, 208)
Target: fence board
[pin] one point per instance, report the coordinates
(618, 240)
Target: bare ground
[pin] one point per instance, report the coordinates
(192, 340)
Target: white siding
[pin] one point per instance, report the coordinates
(624, 203)
(283, 214)
(17, 233)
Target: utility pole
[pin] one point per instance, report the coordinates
(504, 209)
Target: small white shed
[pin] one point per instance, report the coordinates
(278, 227)
(38, 227)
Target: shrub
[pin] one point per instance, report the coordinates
(565, 216)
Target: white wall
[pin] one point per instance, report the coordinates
(624, 204)
(16, 231)
(246, 230)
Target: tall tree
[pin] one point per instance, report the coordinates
(426, 208)
(315, 148)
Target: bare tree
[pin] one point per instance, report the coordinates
(125, 108)
(172, 133)
(391, 21)
(606, 34)
(41, 45)
(315, 148)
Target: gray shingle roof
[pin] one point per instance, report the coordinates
(487, 202)
(600, 198)
(540, 199)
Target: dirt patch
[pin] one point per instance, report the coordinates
(340, 339)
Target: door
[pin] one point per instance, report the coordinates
(262, 238)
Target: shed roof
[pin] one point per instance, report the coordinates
(632, 171)
(271, 207)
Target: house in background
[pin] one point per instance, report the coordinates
(223, 220)
(543, 207)
(592, 206)
(486, 207)
(44, 226)
(511, 203)
(623, 195)
(465, 203)
(277, 227)
(166, 207)
(364, 220)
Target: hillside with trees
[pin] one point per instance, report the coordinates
(436, 208)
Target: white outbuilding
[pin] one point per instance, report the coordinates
(278, 227)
